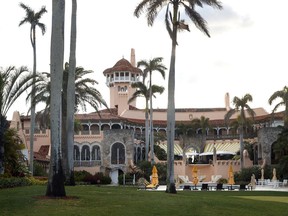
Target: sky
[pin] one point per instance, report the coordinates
(246, 53)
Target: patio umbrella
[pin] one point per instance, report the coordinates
(262, 174)
(231, 176)
(154, 180)
(274, 178)
(195, 175)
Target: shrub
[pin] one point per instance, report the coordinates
(14, 182)
(244, 176)
(222, 181)
(81, 176)
(38, 170)
(128, 178)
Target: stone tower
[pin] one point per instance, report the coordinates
(119, 79)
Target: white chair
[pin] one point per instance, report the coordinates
(285, 182)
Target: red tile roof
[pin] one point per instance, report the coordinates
(123, 65)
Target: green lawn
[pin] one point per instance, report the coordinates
(126, 201)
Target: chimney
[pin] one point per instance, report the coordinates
(227, 101)
(132, 58)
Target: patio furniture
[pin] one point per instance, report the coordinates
(285, 182)
(204, 187)
(219, 187)
(242, 187)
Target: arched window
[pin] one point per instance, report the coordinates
(76, 153)
(96, 154)
(118, 154)
(85, 153)
(139, 154)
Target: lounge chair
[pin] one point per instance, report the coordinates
(183, 179)
(143, 183)
(219, 187)
(204, 187)
(215, 178)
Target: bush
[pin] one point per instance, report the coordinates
(128, 178)
(38, 170)
(244, 176)
(14, 182)
(222, 181)
(80, 176)
(97, 178)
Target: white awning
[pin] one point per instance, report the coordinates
(217, 153)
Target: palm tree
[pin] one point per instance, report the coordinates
(241, 109)
(55, 186)
(202, 123)
(174, 23)
(33, 19)
(149, 68)
(142, 91)
(85, 92)
(283, 95)
(13, 83)
(68, 138)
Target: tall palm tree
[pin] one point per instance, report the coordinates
(283, 95)
(68, 138)
(174, 23)
(150, 67)
(143, 91)
(13, 83)
(55, 186)
(34, 20)
(241, 109)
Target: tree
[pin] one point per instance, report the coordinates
(283, 95)
(33, 19)
(202, 123)
(55, 186)
(149, 68)
(85, 93)
(241, 109)
(68, 144)
(174, 23)
(14, 160)
(13, 83)
(143, 91)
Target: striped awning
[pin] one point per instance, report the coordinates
(223, 146)
(177, 149)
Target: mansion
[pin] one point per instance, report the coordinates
(111, 141)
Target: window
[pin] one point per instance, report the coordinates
(76, 153)
(118, 154)
(96, 154)
(85, 153)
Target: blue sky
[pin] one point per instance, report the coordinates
(247, 51)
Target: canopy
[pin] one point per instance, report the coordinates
(218, 153)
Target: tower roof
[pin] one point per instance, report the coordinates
(122, 65)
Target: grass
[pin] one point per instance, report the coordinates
(126, 201)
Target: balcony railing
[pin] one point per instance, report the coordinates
(78, 163)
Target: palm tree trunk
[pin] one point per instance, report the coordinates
(171, 110)
(33, 106)
(55, 186)
(71, 97)
(3, 128)
(151, 121)
(241, 147)
(146, 132)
